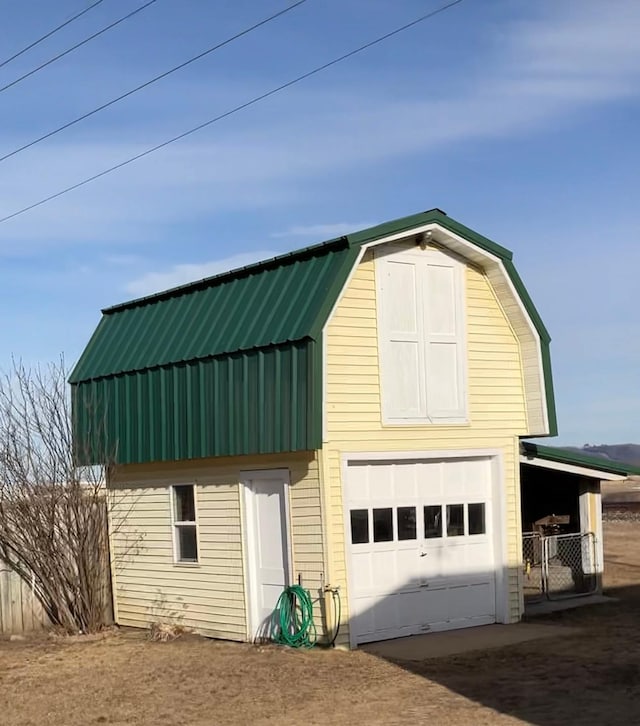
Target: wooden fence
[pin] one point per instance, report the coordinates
(20, 610)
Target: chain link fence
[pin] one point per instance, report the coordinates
(570, 565)
(559, 566)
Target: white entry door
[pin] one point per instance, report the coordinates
(267, 542)
(420, 535)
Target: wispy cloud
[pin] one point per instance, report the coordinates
(534, 72)
(181, 274)
(321, 231)
(122, 260)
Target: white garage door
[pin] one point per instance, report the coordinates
(420, 536)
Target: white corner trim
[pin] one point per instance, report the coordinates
(571, 468)
(324, 340)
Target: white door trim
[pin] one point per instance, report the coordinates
(248, 537)
(499, 510)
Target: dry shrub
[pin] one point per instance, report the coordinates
(164, 632)
(53, 513)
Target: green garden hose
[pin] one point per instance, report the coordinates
(294, 624)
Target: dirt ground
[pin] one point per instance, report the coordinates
(592, 677)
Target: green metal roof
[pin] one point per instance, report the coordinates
(227, 324)
(565, 456)
(273, 302)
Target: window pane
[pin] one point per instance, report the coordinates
(383, 525)
(359, 526)
(187, 543)
(476, 519)
(432, 521)
(406, 522)
(185, 505)
(455, 520)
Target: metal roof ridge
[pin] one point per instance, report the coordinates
(221, 277)
(356, 238)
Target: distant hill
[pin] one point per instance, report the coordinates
(626, 453)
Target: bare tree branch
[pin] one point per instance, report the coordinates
(53, 514)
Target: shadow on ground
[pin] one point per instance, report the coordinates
(590, 676)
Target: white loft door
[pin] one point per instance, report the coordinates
(267, 547)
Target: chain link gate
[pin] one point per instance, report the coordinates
(559, 566)
(532, 550)
(570, 565)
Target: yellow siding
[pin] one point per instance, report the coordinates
(497, 409)
(208, 597)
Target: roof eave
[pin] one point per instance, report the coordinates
(531, 451)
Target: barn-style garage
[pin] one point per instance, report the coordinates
(347, 417)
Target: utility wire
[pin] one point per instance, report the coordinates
(49, 34)
(150, 82)
(234, 110)
(78, 45)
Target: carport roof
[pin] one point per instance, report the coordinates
(531, 453)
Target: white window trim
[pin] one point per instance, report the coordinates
(461, 322)
(175, 524)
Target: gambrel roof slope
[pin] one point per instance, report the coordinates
(232, 364)
(274, 302)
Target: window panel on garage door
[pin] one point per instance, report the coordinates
(461, 519)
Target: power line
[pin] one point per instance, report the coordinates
(150, 82)
(49, 34)
(232, 111)
(78, 45)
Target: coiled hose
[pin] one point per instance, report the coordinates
(294, 624)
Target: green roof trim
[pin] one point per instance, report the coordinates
(565, 456)
(173, 352)
(433, 216)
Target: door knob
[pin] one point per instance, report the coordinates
(423, 554)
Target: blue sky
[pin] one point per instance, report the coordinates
(518, 119)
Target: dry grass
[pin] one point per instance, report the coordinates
(591, 678)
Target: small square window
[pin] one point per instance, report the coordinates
(359, 526)
(383, 525)
(432, 521)
(455, 520)
(477, 524)
(406, 517)
(185, 531)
